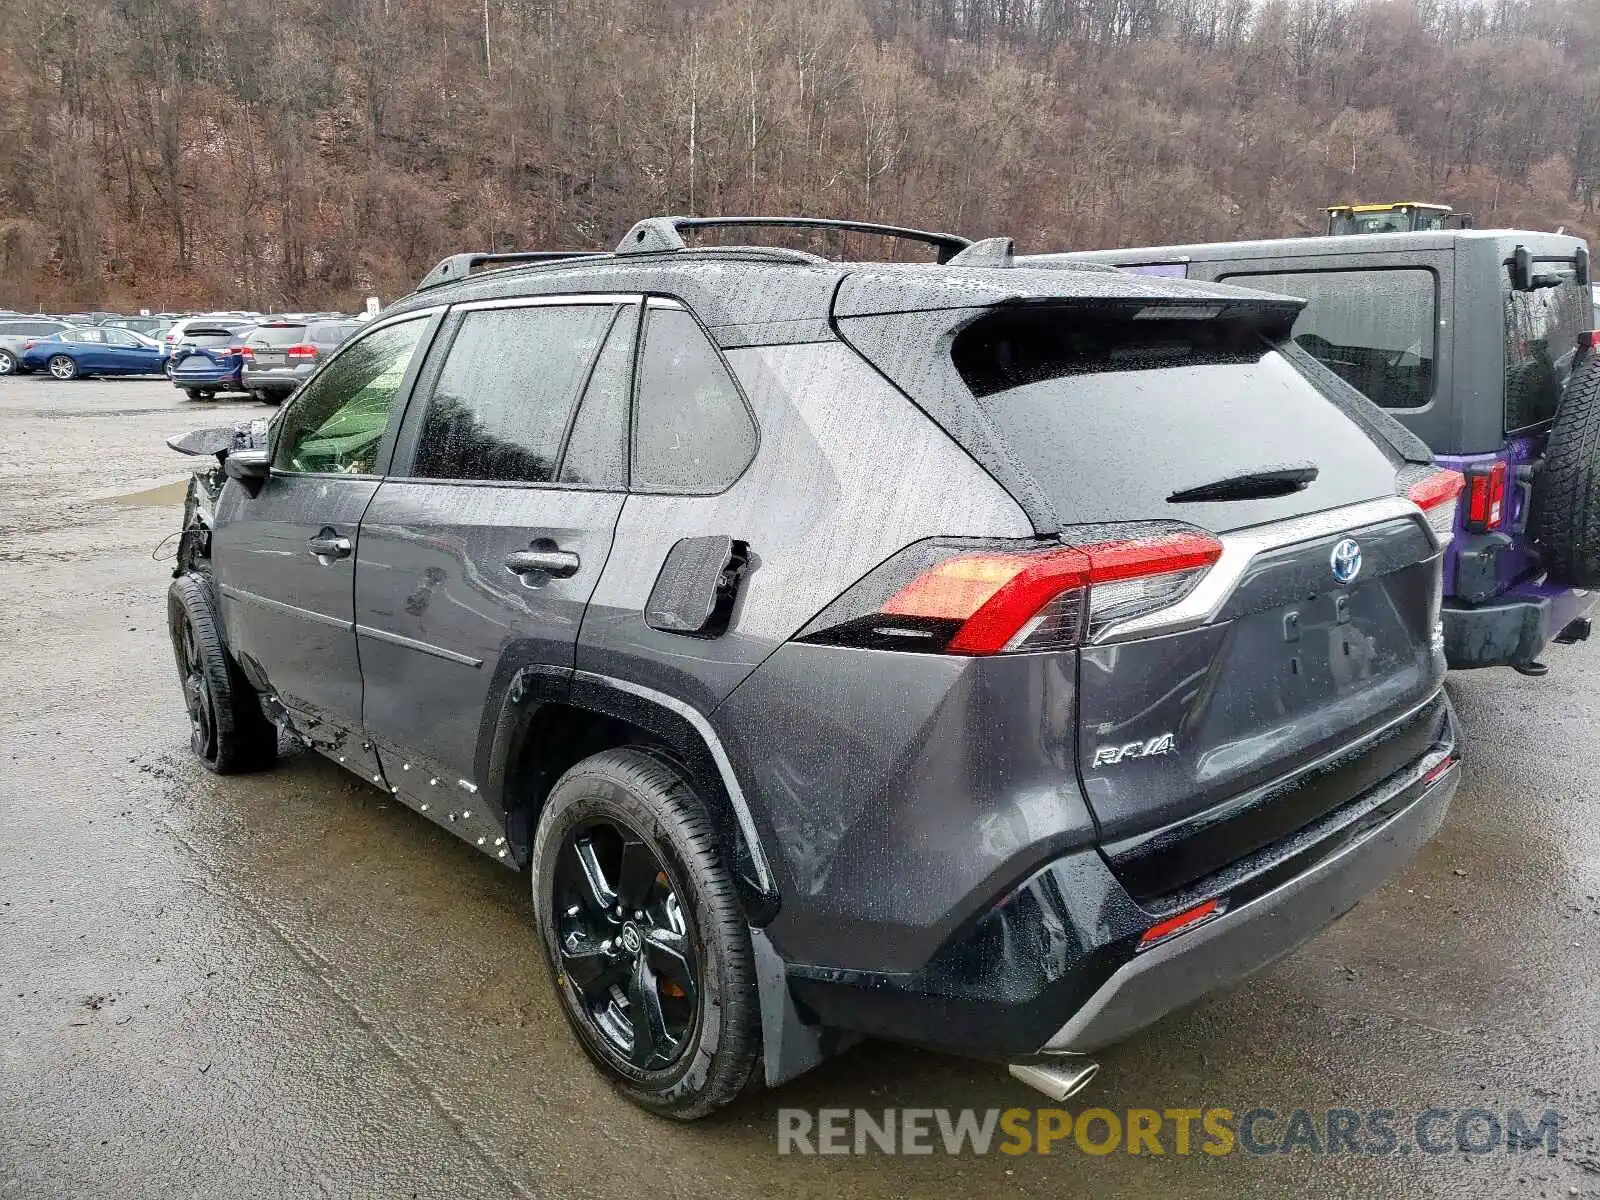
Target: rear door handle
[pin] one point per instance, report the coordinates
(329, 545)
(559, 563)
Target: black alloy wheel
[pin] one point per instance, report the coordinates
(624, 945)
(197, 695)
(228, 731)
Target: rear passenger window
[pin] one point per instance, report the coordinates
(597, 447)
(692, 431)
(1375, 328)
(509, 383)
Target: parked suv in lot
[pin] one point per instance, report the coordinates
(844, 649)
(1482, 343)
(280, 355)
(17, 333)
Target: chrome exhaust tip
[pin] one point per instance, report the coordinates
(1057, 1082)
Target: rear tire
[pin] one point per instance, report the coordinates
(1566, 492)
(63, 367)
(627, 825)
(228, 732)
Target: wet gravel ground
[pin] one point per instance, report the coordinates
(286, 985)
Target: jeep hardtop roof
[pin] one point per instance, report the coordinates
(1391, 244)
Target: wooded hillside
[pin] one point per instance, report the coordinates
(309, 152)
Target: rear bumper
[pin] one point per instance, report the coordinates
(1056, 966)
(204, 379)
(1228, 948)
(274, 380)
(1513, 629)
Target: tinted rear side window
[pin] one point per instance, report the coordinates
(692, 431)
(1542, 328)
(597, 447)
(1375, 328)
(1112, 416)
(500, 409)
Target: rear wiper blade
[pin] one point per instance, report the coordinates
(1261, 484)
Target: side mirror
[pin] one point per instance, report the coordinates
(249, 467)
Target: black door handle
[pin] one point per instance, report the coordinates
(328, 544)
(559, 563)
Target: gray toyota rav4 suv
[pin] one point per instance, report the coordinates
(988, 658)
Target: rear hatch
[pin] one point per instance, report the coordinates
(279, 347)
(1222, 707)
(209, 349)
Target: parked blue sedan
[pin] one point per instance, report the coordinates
(89, 350)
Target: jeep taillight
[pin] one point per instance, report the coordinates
(991, 598)
(1435, 494)
(1486, 497)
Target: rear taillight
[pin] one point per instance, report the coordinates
(1486, 498)
(30, 343)
(304, 350)
(241, 351)
(960, 598)
(1435, 494)
(1589, 340)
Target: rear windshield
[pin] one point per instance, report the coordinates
(209, 336)
(1113, 416)
(1542, 328)
(279, 335)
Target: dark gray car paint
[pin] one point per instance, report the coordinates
(846, 475)
(905, 792)
(305, 647)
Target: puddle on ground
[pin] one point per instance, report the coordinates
(156, 497)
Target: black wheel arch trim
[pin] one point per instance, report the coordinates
(521, 687)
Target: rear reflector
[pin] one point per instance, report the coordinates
(1435, 495)
(943, 597)
(1439, 768)
(1172, 926)
(1486, 498)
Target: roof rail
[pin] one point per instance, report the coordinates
(654, 235)
(459, 266)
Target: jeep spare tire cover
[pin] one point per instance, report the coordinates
(1566, 491)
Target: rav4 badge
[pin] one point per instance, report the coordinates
(1110, 756)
